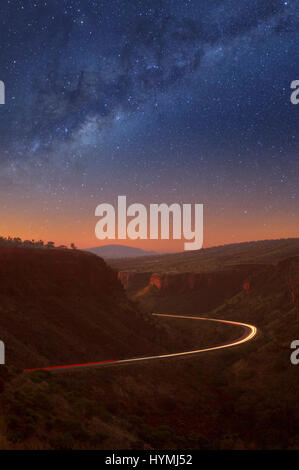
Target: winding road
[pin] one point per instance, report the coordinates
(249, 333)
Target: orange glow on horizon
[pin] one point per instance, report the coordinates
(216, 232)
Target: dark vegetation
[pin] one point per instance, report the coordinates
(241, 398)
(17, 242)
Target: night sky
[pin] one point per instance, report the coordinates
(162, 101)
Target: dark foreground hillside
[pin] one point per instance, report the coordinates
(245, 397)
(63, 307)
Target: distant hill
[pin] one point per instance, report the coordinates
(119, 251)
(213, 259)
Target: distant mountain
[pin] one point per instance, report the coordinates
(119, 251)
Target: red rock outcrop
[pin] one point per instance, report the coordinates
(246, 286)
(180, 282)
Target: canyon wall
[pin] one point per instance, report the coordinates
(203, 291)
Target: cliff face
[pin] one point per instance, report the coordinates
(63, 307)
(187, 282)
(132, 281)
(190, 282)
(125, 278)
(203, 290)
(31, 272)
(280, 279)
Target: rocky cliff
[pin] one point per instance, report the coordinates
(203, 291)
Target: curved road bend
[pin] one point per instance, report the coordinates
(249, 333)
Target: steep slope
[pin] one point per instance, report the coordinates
(272, 289)
(196, 282)
(63, 306)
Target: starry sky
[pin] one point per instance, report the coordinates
(162, 101)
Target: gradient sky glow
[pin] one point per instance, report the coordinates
(162, 101)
